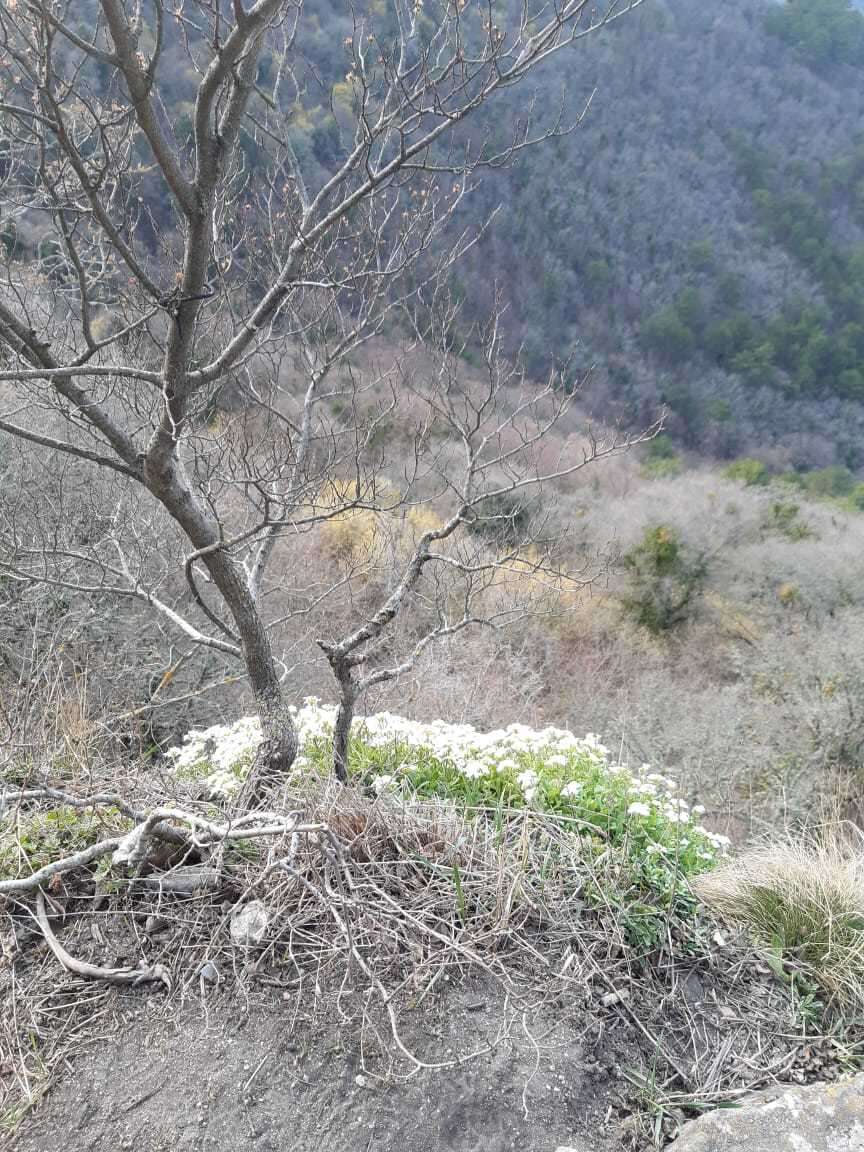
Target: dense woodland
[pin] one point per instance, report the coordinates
(702, 232)
(697, 240)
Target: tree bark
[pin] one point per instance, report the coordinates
(278, 747)
(164, 476)
(342, 732)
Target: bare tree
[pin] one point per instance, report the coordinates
(494, 556)
(153, 265)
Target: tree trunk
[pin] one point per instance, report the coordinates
(342, 731)
(278, 747)
(165, 479)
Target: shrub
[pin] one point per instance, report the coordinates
(661, 459)
(783, 517)
(835, 481)
(664, 580)
(751, 473)
(788, 594)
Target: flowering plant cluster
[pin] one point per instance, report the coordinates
(549, 770)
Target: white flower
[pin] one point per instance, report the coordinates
(222, 785)
(223, 753)
(675, 816)
(715, 837)
(474, 769)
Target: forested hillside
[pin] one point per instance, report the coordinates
(703, 232)
(698, 239)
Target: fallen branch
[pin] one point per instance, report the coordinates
(133, 847)
(157, 973)
(57, 867)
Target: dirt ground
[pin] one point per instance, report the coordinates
(246, 1074)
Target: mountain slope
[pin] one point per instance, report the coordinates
(700, 237)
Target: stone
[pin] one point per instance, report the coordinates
(249, 923)
(209, 972)
(816, 1118)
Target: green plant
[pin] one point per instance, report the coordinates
(750, 473)
(29, 840)
(804, 902)
(664, 580)
(660, 458)
(784, 517)
(668, 337)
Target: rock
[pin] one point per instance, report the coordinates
(249, 923)
(818, 1118)
(185, 880)
(209, 972)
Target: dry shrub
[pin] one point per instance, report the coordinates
(804, 900)
(351, 537)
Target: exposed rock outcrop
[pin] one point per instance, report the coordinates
(818, 1118)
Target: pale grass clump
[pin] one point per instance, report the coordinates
(804, 900)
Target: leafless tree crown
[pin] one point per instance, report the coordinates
(184, 299)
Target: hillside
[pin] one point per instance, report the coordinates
(701, 238)
(406, 743)
(702, 232)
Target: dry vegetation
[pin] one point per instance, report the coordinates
(293, 472)
(750, 700)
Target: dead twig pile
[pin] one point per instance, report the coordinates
(363, 907)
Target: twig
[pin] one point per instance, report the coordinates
(57, 867)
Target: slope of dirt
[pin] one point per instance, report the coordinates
(247, 1074)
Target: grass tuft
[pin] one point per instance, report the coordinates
(804, 902)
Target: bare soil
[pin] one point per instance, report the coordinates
(248, 1074)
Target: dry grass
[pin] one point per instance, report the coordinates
(804, 900)
(392, 901)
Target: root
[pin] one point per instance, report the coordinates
(157, 973)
